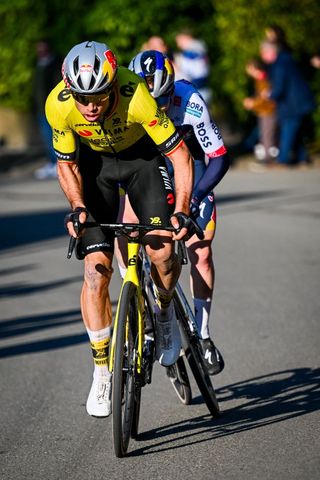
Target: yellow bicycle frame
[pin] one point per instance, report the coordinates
(131, 276)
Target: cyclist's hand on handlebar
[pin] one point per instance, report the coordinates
(74, 221)
(180, 232)
(185, 226)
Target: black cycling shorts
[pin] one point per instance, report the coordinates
(145, 179)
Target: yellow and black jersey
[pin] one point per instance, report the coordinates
(134, 113)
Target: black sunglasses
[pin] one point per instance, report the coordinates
(95, 99)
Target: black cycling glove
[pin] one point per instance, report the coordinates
(74, 218)
(190, 224)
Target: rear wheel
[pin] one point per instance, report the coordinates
(124, 372)
(192, 350)
(180, 381)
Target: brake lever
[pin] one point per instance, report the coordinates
(72, 244)
(73, 240)
(182, 252)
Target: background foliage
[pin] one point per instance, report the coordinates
(232, 30)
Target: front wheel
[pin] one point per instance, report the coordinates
(136, 413)
(124, 372)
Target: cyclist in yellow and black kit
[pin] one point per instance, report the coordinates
(107, 129)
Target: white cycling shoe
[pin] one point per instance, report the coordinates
(99, 399)
(168, 340)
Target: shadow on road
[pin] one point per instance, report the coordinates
(31, 324)
(21, 229)
(222, 199)
(27, 228)
(17, 289)
(264, 400)
(44, 345)
(35, 323)
(26, 325)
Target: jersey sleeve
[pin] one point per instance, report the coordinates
(156, 123)
(63, 138)
(205, 130)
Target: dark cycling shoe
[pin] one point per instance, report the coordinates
(213, 360)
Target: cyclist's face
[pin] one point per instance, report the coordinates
(92, 106)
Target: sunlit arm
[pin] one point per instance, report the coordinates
(183, 177)
(71, 183)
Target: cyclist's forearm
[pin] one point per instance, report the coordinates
(71, 183)
(215, 171)
(183, 178)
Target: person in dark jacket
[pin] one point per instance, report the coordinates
(47, 74)
(294, 100)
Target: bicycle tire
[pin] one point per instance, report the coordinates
(193, 354)
(124, 371)
(179, 378)
(136, 414)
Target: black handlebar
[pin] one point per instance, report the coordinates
(126, 229)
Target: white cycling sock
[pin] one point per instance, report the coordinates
(202, 308)
(122, 270)
(99, 340)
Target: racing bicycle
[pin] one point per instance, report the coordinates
(133, 341)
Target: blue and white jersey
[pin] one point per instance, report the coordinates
(190, 114)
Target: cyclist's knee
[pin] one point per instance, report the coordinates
(201, 256)
(98, 270)
(164, 257)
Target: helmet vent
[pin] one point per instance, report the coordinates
(80, 83)
(97, 65)
(76, 66)
(92, 83)
(104, 80)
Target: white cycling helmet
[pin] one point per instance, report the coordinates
(158, 66)
(89, 68)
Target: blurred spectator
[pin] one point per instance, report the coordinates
(192, 63)
(315, 60)
(274, 33)
(265, 109)
(294, 101)
(157, 43)
(46, 76)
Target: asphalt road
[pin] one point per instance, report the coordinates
(266, 322)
